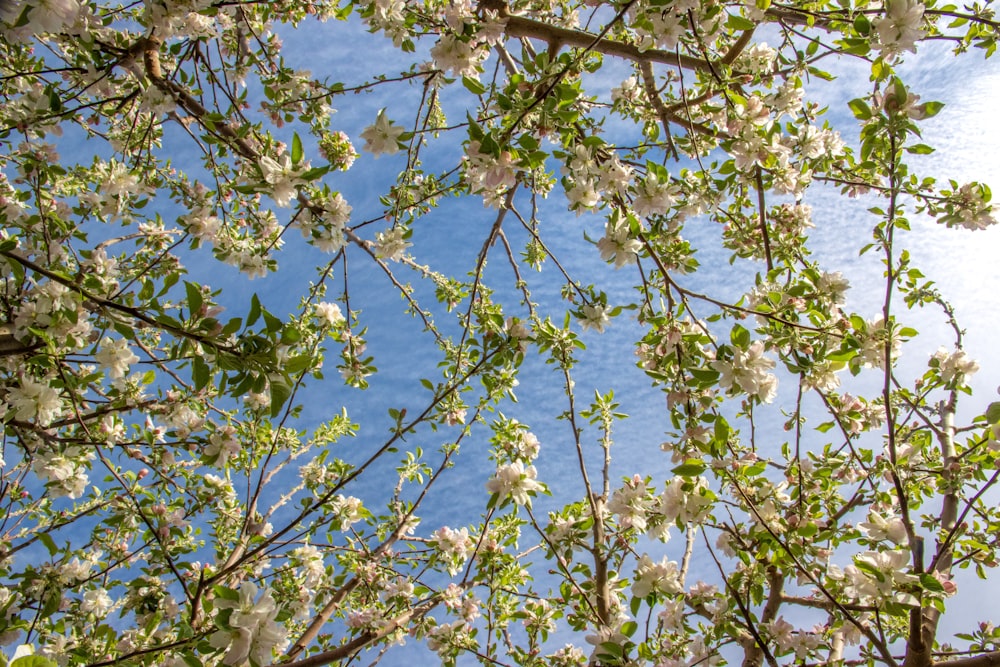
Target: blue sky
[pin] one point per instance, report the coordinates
(449, 239)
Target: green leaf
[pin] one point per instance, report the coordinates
(993, 413)
(865, 566)
(842, 355)
(297, 364)
(33, 661)
(527, 142)
(296, 149)
(473, 85)
(52, 600)
(704, 375)
(722, 430)
(191, 660)
(897, 609)
(610, 650)
(857, 46)
(817, 72)
(860, 108)
(740, 336)
(736, 22)
(194, 299)
(690, 468)
(880, 70)
(315, 172)
(280, 392)
(932, 108)
(200, 373)
(226, 593)
(899, 90)
(232, 326)
(290, 335)
(49, 543)
(862, 25)
(919, 149)
(808, 529)
(255, 310)
(929, 583)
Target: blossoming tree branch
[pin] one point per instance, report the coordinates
(168, 495)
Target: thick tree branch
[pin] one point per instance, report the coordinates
(984, 660)
(518, 26)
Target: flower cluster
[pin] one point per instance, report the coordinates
(283, 177)
(954, 367)
(248, 629)
(337, 148)
(515, 481)
(391, 244)
(969, 206)
(877, 577)
(454, 547)
(488, 173)
(747, 370)
(618, 245)
(461, 57)
(901, 27)
(651, 577)
(383, 137)
(323, 223)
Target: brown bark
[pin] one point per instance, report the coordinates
(983, 660)
(518, 26)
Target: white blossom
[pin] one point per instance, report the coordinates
(650, 577)
(329, 314)
(282, 177)
(653, 197)
(489, 174)
(115, 356)
(595, 316)
(223, 446)
(383, 136)
(901, 27)
(873, 343)
(51, 16)
(35, 400)
(862, 584)
(956, 365)
(617, 245)
(879, 527)
(458, 56)
(96, 601)
(631, 504)
(972, 208)
(748, 371)
(391, 244)
(454, 545)
(515, 481)
(252, 630)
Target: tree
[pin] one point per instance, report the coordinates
(180, 482)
